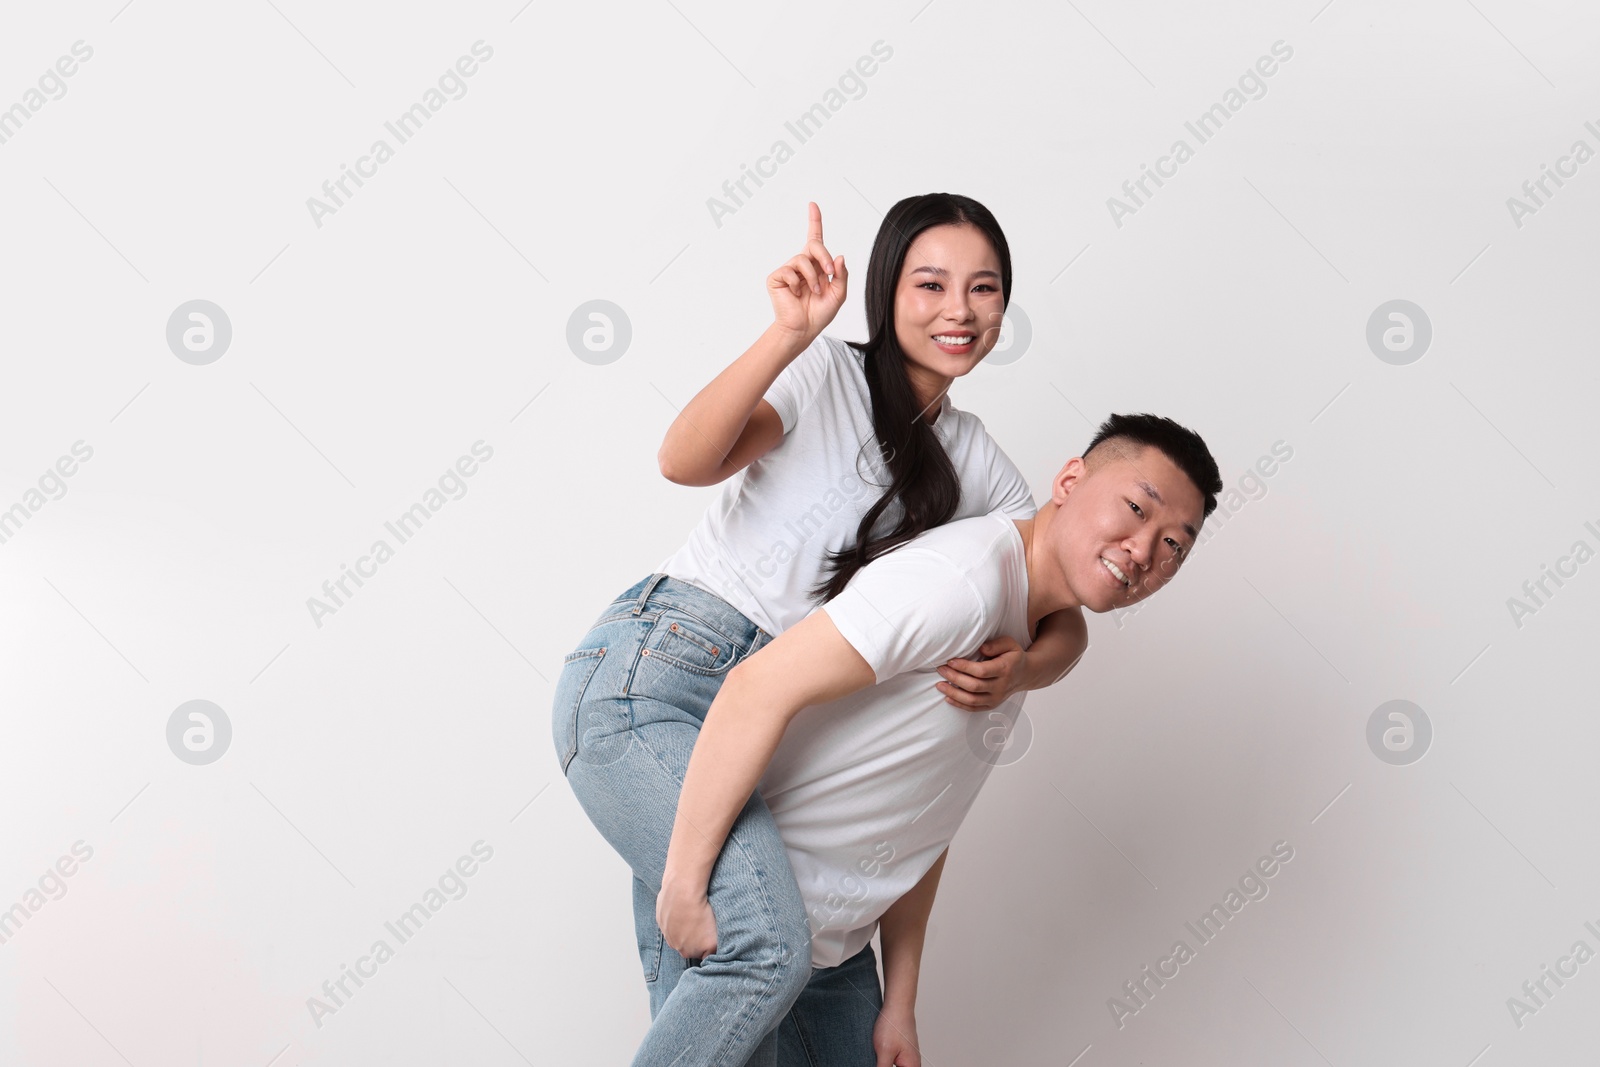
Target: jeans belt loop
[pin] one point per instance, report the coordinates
(655, 579)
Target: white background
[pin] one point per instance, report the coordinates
(430, 312)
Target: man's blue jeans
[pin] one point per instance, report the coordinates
(831, 1024)
(629, 704)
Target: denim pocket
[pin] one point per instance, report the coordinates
(682, 640)
(570, 686)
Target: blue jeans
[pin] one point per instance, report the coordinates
(629, 704)
(831, 1024)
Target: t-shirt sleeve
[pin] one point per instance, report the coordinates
(1008, 490)
(910, 610)
(797, 384)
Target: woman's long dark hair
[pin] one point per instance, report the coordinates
(922, 480)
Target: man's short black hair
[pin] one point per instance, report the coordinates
(1125, 436)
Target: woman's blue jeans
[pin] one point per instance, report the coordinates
(629, 704)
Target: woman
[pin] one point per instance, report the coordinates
(843, 452)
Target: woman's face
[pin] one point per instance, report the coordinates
(948, 303)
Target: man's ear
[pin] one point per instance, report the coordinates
(1067, 479)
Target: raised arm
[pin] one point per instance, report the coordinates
(809, 663)
(902, 930)
(727, 425)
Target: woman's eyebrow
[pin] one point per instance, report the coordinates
(940, 272)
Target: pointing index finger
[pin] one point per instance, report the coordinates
(814, 224)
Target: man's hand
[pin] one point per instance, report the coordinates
(686, 922)
(978, 685)
(894, 1038)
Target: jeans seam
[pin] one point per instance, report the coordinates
(651, 616)
(655, 971)
(633, 668)
(750, 649)
(806, 1044)
(678, 664)
(598, 655)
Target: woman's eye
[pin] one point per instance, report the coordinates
(1135, 507)
(928, 285)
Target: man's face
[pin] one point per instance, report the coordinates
(1138, 516)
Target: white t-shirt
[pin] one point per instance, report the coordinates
(869, 789)
(760, 546)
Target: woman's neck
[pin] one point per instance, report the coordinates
(929, 389)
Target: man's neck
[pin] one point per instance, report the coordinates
(1046, 591)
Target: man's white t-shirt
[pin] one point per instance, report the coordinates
(869, 789)
(761, 544)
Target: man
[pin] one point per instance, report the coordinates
(875, 771)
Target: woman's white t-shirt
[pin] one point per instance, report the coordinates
(761, 544)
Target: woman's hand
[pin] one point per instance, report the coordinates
(894, 1038)
(686, 922)
(978, 685)
(804, 301)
